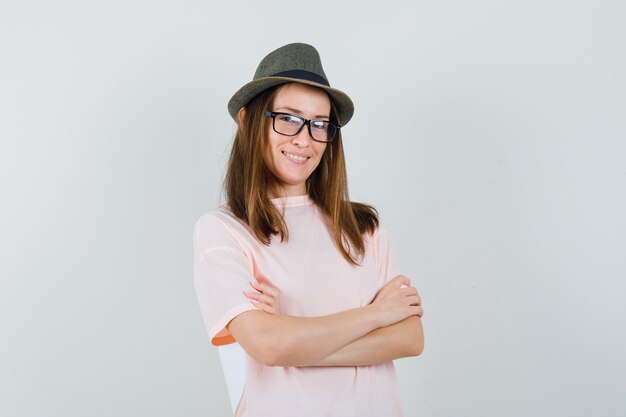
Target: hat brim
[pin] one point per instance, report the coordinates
(343, 104)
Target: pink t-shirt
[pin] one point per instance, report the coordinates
(314, 280)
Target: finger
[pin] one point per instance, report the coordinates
(414, 300)
(266, 289)
(417, 311)
(408, 291)
(401, 280)
(261, 278)
(262, 285)
(264, 280)
(251, 295)
(264, 307)
(263, 298)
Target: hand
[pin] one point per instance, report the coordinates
(266, 297)
(398, 300)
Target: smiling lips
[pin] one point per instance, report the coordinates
(298, 159)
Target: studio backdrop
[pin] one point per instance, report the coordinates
(490, 135)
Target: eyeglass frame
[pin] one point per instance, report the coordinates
(306, 122)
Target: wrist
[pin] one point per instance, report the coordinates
(375, 316)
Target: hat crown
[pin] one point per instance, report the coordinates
(295, 62)
(291, 57)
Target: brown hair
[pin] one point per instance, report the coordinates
(248, 180)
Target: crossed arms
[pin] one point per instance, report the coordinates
(388, 328)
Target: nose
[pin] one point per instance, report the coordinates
(303, 138)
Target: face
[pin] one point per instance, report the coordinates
(292, 159)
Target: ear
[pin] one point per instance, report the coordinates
(241, 115)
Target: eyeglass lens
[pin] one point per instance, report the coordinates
(291, 125)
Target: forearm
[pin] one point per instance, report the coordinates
(281, 340)
(403, 339)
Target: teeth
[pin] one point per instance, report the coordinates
(295, 157)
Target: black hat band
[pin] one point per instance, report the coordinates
(303, 75)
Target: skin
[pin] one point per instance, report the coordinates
(381, 345)
(310, 103)
(386, 329)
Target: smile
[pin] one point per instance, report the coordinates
(293, 157)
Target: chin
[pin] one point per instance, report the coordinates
(291, 180)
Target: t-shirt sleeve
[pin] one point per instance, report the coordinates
(386, 262)
(221, 272)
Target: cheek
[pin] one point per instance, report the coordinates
(320, 151)
(268, 143)
(319, 156)
(268, 149)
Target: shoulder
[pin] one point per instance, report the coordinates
(209, 223)
(380, 233)
(377, 237)
(218, 227)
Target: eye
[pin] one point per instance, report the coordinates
(289, 119)
(318, 124)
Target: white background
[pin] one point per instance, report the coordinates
(491, 136)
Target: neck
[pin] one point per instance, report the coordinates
(281, 191)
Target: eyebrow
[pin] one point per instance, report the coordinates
(292, 110)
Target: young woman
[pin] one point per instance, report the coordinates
(301, 277)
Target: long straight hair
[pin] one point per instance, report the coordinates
(248, 180)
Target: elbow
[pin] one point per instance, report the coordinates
(260, 337)
(416, 346)
(281, 354)
(271, 354)
(265, 356)
(270, 357)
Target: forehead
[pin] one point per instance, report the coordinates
(303, 99)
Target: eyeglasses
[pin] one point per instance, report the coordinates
(290, 125)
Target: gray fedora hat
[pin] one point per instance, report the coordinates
(295, 62)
